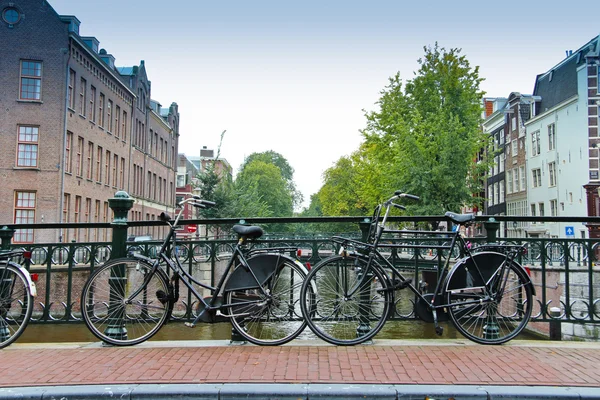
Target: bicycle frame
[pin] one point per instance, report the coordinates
(179, 272)
(372, 254)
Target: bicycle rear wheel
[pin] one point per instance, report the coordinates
(489, 304)
(110, 317)
(347, 307)
(16, 303)
(271, 319)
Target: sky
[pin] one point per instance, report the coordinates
(297, 77)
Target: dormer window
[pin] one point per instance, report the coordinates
(11, 15)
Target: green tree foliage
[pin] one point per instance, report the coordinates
(266, 182)
(424, 139)
(287, 172)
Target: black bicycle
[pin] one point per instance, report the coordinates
(17, 291)
(347, 298)
(127, 300)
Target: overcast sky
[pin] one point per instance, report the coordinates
(295, 77)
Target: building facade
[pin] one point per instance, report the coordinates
(75, 128)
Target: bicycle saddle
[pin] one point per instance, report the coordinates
(460, 218)
(251, 232)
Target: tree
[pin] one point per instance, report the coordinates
(287, 172)
(266, 182)
(426, 138)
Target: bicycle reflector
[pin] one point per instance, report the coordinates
(528, 271)
(299, 252)
(308, 267)
(27, 255)
(34, 277)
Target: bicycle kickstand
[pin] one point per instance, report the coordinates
(439, 330)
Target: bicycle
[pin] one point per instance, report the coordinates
(487, 295)
(127, 300)
(17, 292)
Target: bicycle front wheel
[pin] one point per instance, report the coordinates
(109, 312)
(347, 307)
(16, 303)
(274, 317)
(489, 303)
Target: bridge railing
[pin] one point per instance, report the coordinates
(563, 270)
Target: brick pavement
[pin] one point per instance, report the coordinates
(387, 362)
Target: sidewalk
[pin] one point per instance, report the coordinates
(558, 367)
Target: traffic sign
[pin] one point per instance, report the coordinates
(191, 228)
(569, 231)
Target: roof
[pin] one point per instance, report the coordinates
(560, 82)
(125, 70)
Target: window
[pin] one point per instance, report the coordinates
(509, 180)
(490, 195)
(501, 191)
(66, 208)
(515, 147)
(541, 208)
(87, 218)
(117, 121)
(552, 173)
(101, 111)
(90, 161)
(24, 214)
(82, 96)
(124, 126)
(537, 177)
(513, 124)
(551, 137)
(105, 219)
(109, 115)
(115, 166)
(535, 143)
(496, 193)
(523, 178)
(533, 213)
(31, 80)
(11, 15)
(107, 168)
(27, 146)
(93, 104)
(99, 153)
(76, 214)
(79, 158)
(68, 156)
(71, 90)
(516, 180)
(97, 217)
(122, 174)
(553, 208)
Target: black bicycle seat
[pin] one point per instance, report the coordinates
(460, 218)
(251, 232)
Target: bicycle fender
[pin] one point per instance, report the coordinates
(30, 283)
(487, 262)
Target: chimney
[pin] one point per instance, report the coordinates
(489, 107)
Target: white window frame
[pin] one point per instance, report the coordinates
(552, 174)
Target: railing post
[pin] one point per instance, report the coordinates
(364, 226)
(6, 235)
(364, 327)
(491, 229)
(555, 324)
(120, 204)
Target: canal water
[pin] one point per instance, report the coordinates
(78, 332)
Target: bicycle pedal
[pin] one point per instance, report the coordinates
(439, 330)
(189, 324)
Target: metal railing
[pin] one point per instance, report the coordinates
(564, 270)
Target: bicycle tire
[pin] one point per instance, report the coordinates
(334, 317)
(270, 321)
(489, 322)
(16, 303)
(103, 308)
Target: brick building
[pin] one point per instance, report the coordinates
(75, 128)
